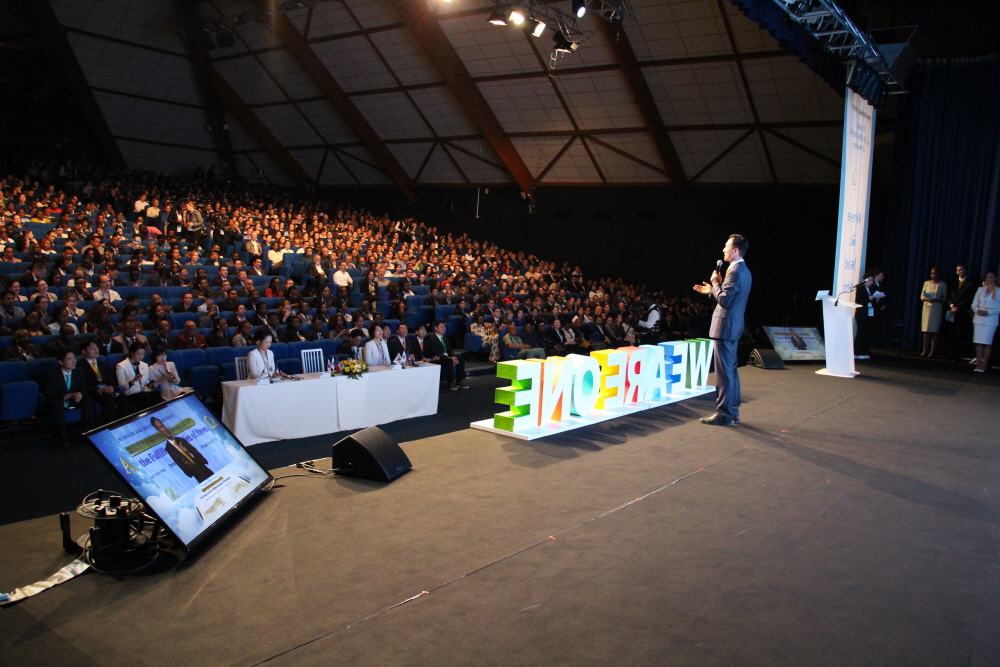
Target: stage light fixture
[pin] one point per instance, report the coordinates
(579, 8)
(563, 44)
(516, 15)
(498, 17)
(535, 27)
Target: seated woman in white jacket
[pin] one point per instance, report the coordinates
(260, 361)
(377, 350)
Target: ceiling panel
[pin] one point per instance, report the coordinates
(537, 152)
(411, 156)
(272, 172)
(354, 64)
(618, 168)
(133, 70)
(328, 18)
(142, 119)
(575, 166)
(285, 67)
(786, 90)
(476, 169)
(310, 160)
(250, 80)
(697, 149)
(699, 94)
(600, 100)
(393, 116)
(372, 13)
(677, 29)
(289, 126)
(749, 36)
(335, 173)
(328, 121)
(488, 50)
(142, 21)
(827, 140)
(793, 165)
(175, 161)
(440, 169)
(441, 109)
(358, 160)
(406, 59)
(745, 164)
(526, 105)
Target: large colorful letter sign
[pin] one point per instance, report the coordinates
(562, 393)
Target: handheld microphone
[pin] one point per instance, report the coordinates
(718, 267)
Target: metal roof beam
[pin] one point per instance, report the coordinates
(643, 96)
(341, 103)
(422, 23)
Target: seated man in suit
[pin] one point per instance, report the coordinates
(437, 350)
(190, 339)
(100, 382)
(66, 389)
(415, 346)
(65, 343)
(315, 330)
(106, 344)
(398, 344)
(129, 335)
(22, 349)
(353, 348)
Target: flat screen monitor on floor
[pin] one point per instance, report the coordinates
(797, 343)
(183, 463)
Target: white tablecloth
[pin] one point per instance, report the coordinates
(315, 406)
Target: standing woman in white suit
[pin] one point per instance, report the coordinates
(985, 309)
(260, 361)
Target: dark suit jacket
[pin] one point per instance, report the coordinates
(434, 348)
(112, 347)
(397, 348)
(345, 348)
(192, 465)
(311, 270)
(731, 295)
(55, 348)
(108, 376)
(55, 385)
(965, 294)
(413, 347)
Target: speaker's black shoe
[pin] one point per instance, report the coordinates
(716, 420)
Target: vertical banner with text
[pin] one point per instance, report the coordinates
(855, 188)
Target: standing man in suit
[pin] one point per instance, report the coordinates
(66, 389)
(961, 306)
(437, 350)
(731, 294)
(187, 457)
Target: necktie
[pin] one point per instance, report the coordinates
(93, 364)
(69, 380)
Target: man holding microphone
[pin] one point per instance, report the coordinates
(730, 293)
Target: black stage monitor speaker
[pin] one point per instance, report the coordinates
(370, 454)
(766, 359)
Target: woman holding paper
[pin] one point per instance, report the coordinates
(933, 295)
(986, 312)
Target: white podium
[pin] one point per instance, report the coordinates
(838, 334)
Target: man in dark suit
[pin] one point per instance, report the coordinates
(730, 293)
(106, 344)
(353, 347)
(66, 389)
(187, 457)
(415, 345)
(398, 343)
(100, 382)
(437, 350)
(317, 269)
(961, 305)
(60, 346)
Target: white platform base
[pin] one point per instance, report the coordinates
(824, 371)
(596, 417)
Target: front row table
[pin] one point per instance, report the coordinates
(317, 406)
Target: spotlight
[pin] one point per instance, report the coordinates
(563, 43)
(579, 8)
(498, 17)
(535, 27)
(516, 15)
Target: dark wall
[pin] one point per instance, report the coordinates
(658, 236)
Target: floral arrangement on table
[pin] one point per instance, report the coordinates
(353, 368)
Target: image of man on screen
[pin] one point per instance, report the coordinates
(191, 462)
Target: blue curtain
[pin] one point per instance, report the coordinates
(944, 207)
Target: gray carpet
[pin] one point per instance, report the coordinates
(847, 522)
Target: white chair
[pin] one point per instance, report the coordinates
(242, 370)
(312, 360)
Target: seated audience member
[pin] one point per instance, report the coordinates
(22, 349)
(163, 375)
(244, 335)
(239, 317)
(491, 339)
(207, 319)
(10, 312)
(520, 349)
(260, 361)
(415, 345)
(106, 344)
(220, 334)
(64, 343)
(100, 383)
(315, 330)
(377, 350)
(66, 389)
(129, 336)
(132, 374)
(352, 347)
(190, 339)
(259, 318)
(293, 330)
(531, 336)
(398, 344)
(438, 350)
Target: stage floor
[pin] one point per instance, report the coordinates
(847, 522)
